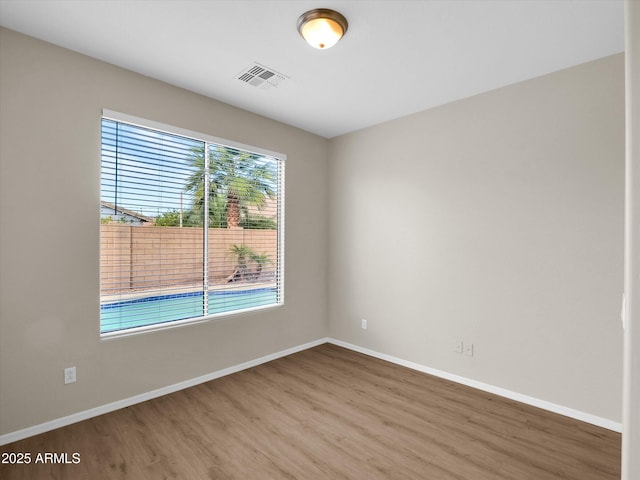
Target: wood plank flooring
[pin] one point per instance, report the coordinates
(326, 413)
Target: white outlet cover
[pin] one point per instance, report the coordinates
(69, 375)
(468, 349)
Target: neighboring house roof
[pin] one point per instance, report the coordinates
(129, 213)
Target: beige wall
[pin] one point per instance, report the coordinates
(496, 220)
(50, 105)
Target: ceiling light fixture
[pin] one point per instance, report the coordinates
(322, 28)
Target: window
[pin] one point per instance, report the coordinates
(183, 239)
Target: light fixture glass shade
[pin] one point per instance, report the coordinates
(322, 28)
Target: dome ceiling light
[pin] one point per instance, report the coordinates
(322, 28)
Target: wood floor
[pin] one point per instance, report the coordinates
(326, 413)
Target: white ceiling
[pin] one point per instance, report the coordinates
(397, 58)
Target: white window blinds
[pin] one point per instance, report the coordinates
(181, 238)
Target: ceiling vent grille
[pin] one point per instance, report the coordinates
(260, 76)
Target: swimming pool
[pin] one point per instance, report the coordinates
(169, 308)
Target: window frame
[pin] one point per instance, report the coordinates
(217, 141)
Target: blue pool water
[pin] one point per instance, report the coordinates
(168, 308)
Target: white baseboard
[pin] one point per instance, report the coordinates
(535, 402)
(143, 397)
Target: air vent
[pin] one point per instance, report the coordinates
(260, 76)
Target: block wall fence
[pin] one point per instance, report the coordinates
(140, 257)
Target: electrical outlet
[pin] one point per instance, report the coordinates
(459, 346)
(69, 375)
(468, 349)
(364, 323)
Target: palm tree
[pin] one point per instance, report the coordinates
(195, 185)
(237, 180)
(241, 271)
(261, 260)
